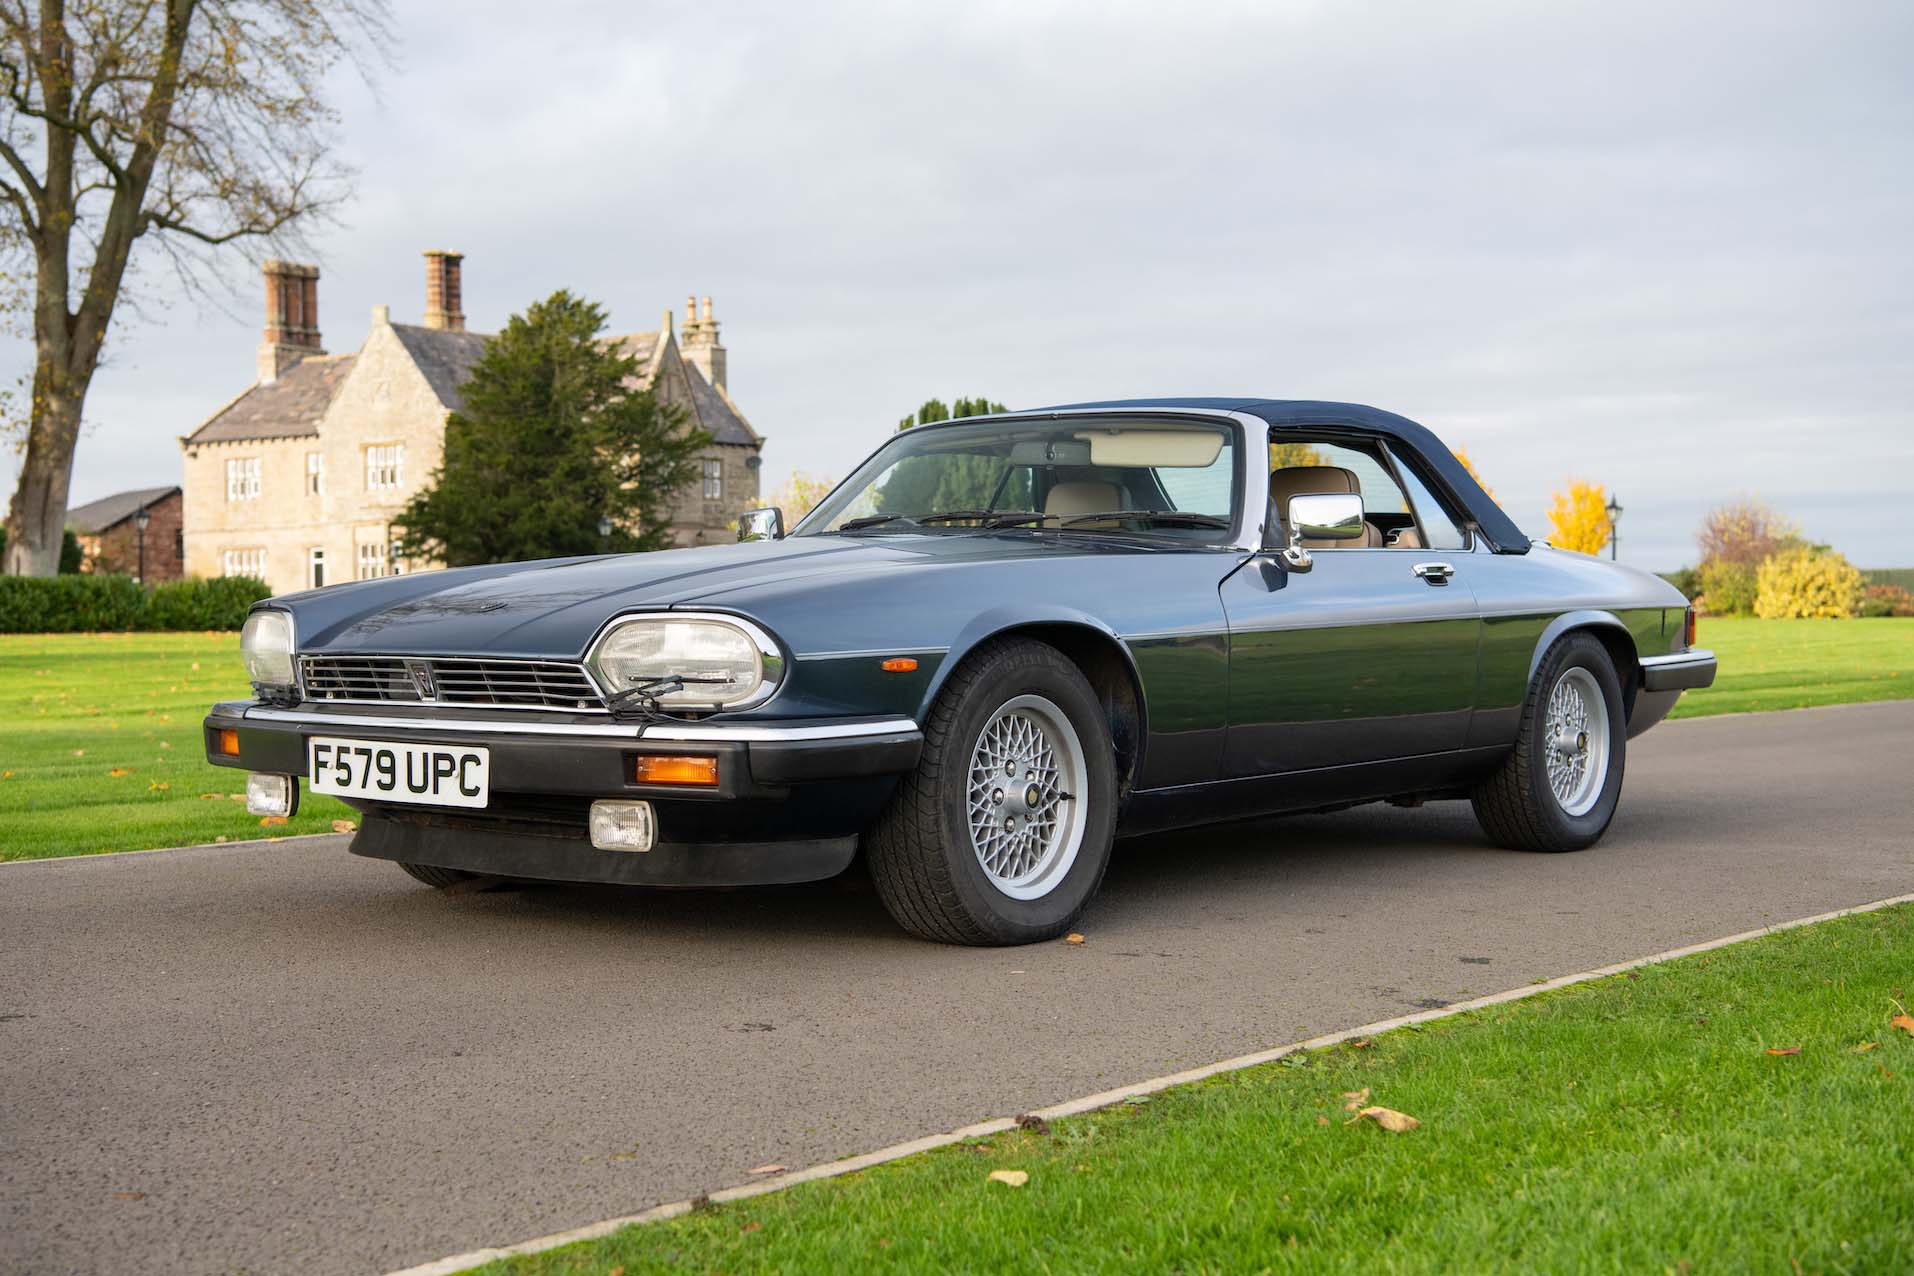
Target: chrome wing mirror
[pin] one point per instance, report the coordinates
(1321, 516)
(765, 524)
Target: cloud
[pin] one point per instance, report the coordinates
(1661, 247)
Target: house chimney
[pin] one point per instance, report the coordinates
(444, 298)
(701, 345)
(292, 317)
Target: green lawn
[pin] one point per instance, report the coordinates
(1791, 664)
(75, 708)
(1636, 1124)
(100, 745)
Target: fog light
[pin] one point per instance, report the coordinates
(622, 826)
(271, 794)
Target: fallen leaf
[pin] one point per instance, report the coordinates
(1903, 1021)
(343, 826)
(1784, 1049)
(1009, 1178)
(1073, 938)
(1389, 1119)
(1321, 1119)
(1866, 1045)
(212, 795)
(1361, 1043)
(1883, 1068)
(266, 821)
(222, 838)
(120, 770)
(766, 1169)
(6, 775)
(1353, 1099)
(1033, 1123)
(196, 664)
(165, 745)
(158, 786)
(237, 797)
(131, 1196)
(79, 753)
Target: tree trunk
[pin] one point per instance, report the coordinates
(35, 523)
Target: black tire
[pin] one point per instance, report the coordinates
(434, 876)
(1516, 805)
(920, 850)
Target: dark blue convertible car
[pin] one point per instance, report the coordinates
(1000, 643)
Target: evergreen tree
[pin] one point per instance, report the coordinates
(925, 484)
(552, 439)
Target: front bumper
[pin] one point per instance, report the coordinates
(791, 796)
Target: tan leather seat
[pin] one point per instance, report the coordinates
(1406, 538)
(1084, 496)
(1307, 480)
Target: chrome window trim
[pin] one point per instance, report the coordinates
(771, 663)
(613, 730)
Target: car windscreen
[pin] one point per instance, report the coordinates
(1163, 477)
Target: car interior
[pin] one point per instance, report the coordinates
(1391, 519)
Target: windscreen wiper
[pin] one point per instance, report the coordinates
(871, 520)
(1168, 518)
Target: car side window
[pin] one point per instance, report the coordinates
(1439, 528)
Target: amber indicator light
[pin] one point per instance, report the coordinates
(899, 664)
(229, 743)
(1688, 638)
(670, 768)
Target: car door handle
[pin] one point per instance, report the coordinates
(1434, 573)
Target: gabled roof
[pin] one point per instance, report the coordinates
(96, 516)
(716, 413)
(286, 408)
(443, 356)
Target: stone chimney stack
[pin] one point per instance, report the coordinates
(292, 317)
(700, 343)
(444, 298)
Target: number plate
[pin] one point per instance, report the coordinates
(426, 774)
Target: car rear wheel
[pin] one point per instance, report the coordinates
(433, 875)
(1002, 833)
(1558, 789)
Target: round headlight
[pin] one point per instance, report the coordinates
(721, 663)
(265, 644)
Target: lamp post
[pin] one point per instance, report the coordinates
(1614, 516)
(140, 520)
(604, 533)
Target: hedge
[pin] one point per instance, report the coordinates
(91, 604)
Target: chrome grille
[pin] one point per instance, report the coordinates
(460, 680)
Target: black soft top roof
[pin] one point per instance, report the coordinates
(1503, 536)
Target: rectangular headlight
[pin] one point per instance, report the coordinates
(265, 644)
(723, 662)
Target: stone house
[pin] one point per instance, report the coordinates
(111, 539)
(298, 479)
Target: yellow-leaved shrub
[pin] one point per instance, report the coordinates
(1807, 583)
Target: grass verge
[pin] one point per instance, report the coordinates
(1793, 664)
(100, 746)
(1656, 1121)
(100, 751)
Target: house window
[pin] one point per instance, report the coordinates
(316, 567)
(372, 560)
(713, 480)
(385, 466)
(242, 479)
(244, 562)
(179, 543)
(315, 474)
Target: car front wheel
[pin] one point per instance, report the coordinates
(1002, 833)
(433, 875)
(1558, 789)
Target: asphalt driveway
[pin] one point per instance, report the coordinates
(267, 1058)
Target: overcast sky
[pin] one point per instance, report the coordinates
(1665, 246)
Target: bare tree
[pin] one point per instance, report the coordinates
(187, 125)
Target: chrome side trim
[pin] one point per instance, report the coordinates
(686, 731)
